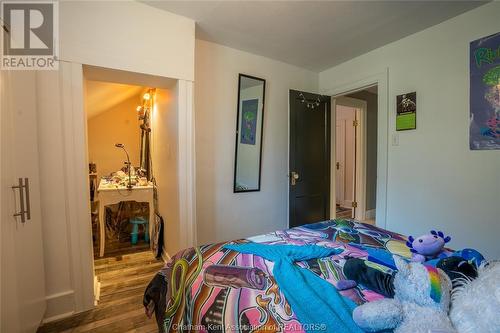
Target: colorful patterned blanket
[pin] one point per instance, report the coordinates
(211, 289)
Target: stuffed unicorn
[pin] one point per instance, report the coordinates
(420, 304)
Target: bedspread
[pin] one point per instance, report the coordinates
(211, 289)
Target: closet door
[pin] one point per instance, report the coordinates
(22, 262)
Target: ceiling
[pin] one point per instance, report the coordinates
(312, 34)
(101, 96)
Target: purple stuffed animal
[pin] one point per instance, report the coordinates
(428, 246)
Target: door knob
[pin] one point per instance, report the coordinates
(294, 176)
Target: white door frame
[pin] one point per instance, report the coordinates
(381, 79)
(360, 158)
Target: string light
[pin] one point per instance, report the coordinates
(310, 105)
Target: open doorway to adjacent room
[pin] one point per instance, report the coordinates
(355, 158)
(118, 136)
(132, 148)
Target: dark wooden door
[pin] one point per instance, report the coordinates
(309, 174)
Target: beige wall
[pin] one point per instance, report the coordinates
(434, 180)
(118, 124)
(222, 214)
(165, 157)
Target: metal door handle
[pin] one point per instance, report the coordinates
(28, 204)
(294, 176)
(24, 192)
(21, 200)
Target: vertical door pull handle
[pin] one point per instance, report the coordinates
(28, 205)
(20, 186)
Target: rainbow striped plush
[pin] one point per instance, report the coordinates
(435, 283)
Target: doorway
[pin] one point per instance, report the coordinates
(118, 137)
(132, 133)
(333, 156)
(356, 155)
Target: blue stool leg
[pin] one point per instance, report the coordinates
(134, 234)
(146, 232)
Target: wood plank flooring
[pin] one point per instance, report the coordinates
(123, 281)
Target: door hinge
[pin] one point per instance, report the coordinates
(354, 204)
(355, 123)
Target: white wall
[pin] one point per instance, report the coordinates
(165, 157)
(434, 180)
(222, 214)
(127, 35)
(118, 124)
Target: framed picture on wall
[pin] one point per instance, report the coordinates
(406, 117)
(484, 103)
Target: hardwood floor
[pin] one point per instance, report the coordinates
(123, 281)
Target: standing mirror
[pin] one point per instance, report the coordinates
(249, 124)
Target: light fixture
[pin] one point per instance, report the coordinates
(146, 96)
(139, 108)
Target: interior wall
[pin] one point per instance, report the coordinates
(371, 145)
(434, 180)
(127, 35)
(222, 214)
(165, 158)
(119, 124)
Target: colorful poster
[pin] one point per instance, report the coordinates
(406, 117)
(485, 93)
(248, 129)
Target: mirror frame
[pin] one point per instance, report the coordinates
(240, 76)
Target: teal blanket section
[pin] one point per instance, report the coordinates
(316, 302)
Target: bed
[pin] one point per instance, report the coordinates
(213, 289)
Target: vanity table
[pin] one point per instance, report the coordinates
(109, 194)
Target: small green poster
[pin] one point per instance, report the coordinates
(406, 117)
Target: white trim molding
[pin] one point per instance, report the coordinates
(59, 306)
(187, 165)
(370, 214)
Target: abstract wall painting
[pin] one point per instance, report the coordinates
(406, 108)
(484, 131)
(249, 111)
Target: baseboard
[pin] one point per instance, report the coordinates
(97, 290)
(165, 256)
(59, 306)
(370, 214)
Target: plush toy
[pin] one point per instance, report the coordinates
(475, 302)
(428, 246)
(420, 304)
